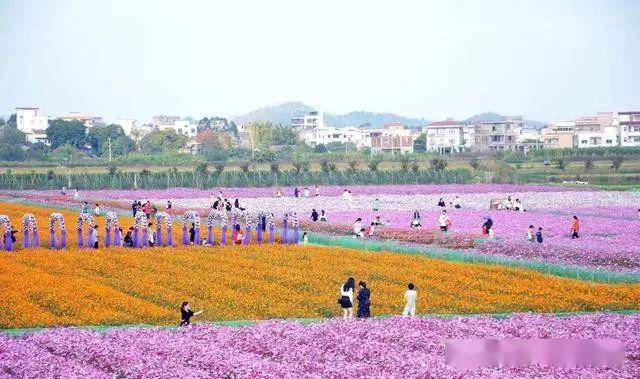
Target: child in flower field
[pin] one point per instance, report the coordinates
(237, 239)
(487, 227)
(346, 298)
(410, 297)
(192, 233)
(531, 234)
(94, 236)
(128, 238)
(357, 228)
(416, 222)
(539, 235)
(364, 301)
(151, 236)
(444, 221)
(96, 210)
(305, 238)
(575, 227)
(186, 313)
(323, 216)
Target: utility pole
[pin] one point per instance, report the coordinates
(109, 149)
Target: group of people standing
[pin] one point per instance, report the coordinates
(346, 299)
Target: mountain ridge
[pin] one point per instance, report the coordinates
(281, 114)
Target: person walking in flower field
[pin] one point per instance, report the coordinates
(186, 313)
(410, 298)
(364, 301)
(487, 228)
(346, 298)
(444, 221)
(539, 235)
(375, 205)
(575, 227)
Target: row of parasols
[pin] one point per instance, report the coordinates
(265, 229)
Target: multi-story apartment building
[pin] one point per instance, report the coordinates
(558, 135)
(360, 138)
(32, 124)
(595, 131)
(307, 120)
(394, 138)
(629, 127)
(499, 135)
(445, 137)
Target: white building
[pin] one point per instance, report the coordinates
(127, 124)
(175, 123)
(32, 124)
(88, 120)
(445, 137)
(307, 120)
(604, 138)
(360, 138)
(629, 127)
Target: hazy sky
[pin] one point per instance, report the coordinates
(546, 60)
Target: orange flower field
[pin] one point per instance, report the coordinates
(41, 287)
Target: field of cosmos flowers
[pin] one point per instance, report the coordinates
(134, 294)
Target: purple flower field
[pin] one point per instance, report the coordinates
(609, 220)
(380, 348)
(368, 190)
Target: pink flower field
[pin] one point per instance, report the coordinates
(377, 348)
(608, 218)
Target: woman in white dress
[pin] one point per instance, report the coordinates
(411, 297)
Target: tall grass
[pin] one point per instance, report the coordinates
(172, 178)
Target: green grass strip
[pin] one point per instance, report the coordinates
(565, 271)
(310, 321)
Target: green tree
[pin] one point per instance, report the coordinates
(160, 141)
(282, 135)
(244, 166)
(12, 136)
(616, 163)
(373, 164)
(419, 144)
(415, 167)
(12, 122)
(320, 148)
(300, 165)
(219, 166)
(274, 167)
(62, 132)
(353, 164)
(202, 168)
(326, 166)
(11, 153)
(260, 133)
(474, 163)
(405, 162)
(98, 137)
(438, 164)
(561, 164)
(3, 123)
(588, 164)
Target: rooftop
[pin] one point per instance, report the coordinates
(445, 123)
